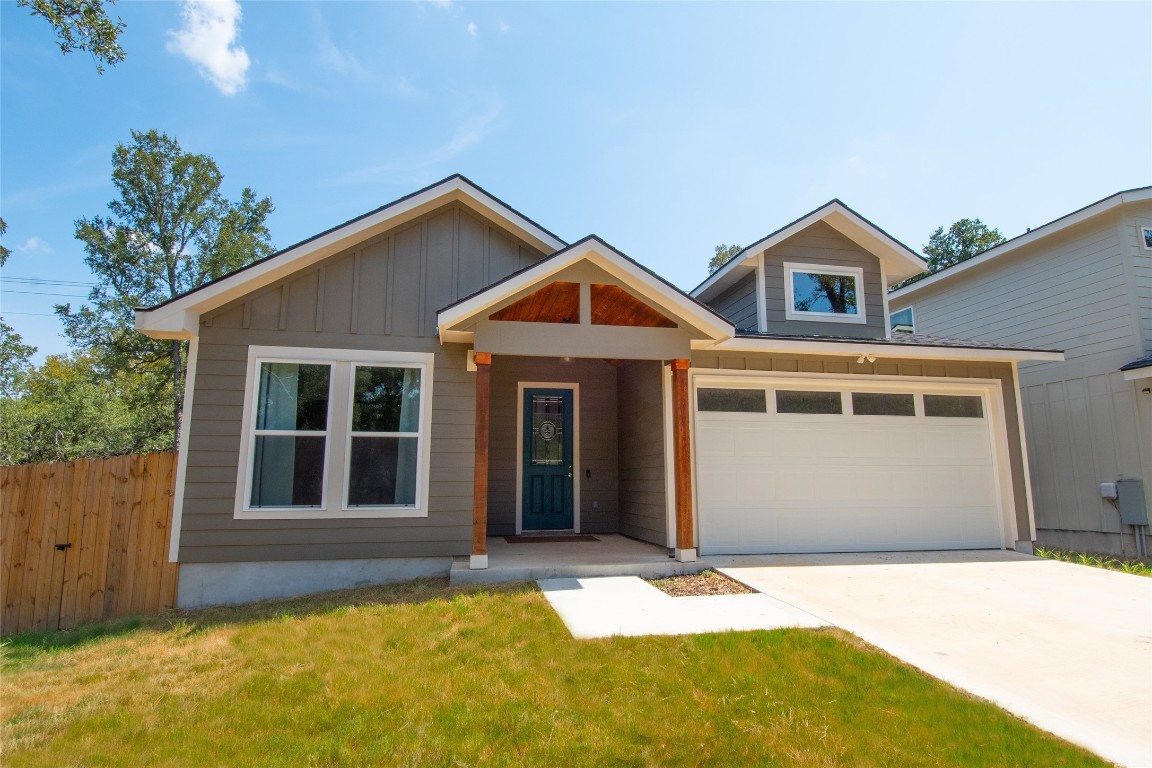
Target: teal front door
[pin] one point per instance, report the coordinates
(547, 470)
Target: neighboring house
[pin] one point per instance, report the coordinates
(1081, 283)
(385, 396)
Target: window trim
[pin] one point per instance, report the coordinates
(1144, 239)
(790, 311)
(892, 323)
(334, 503)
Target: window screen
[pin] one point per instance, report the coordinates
(883, 404)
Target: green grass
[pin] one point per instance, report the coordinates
(425, 674)
(1134, 565)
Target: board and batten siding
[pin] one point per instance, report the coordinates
(820, 244)
(643, 485)
(597, 436)
(1086, 291)
(848, 367)
(381, 295)
(738, 303)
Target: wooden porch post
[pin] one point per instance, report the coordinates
(682, 462)
(480, 478)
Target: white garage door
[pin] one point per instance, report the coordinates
(818, 466)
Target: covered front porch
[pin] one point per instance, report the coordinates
(607, 555)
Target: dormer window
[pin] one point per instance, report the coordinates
(903, 321)
(824, 293)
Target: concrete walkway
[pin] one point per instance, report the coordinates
(1064, 646)
(627, 605)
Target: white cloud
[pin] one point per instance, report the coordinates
(209, 38)
(35, 245)
(472, 28)
(504, 27)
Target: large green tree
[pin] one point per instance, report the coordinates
(723, 255)
(960, 242)
(170, 231)
(82, 25)
(15, 355)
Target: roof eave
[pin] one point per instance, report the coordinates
(863, 347)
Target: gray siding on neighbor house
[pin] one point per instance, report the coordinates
(1087, 291)
(738, 303)
(821, 244)
(643, 488)
(843, 366)
(381, 295)
(596, 430)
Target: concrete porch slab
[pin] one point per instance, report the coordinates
(612, 555)
(630, 606)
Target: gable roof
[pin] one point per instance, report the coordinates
(636, 276)
(179, 317)
(1053, 227)
(899, 261)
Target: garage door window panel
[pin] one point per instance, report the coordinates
(731, 400)
(954, 406)
(808, 402)
(883, 404)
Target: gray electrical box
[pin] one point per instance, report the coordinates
(1130, 502)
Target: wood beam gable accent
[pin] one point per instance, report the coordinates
(612, 305)
(479, 557)
(557, 302)
(682, 461)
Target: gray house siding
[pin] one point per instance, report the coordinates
(643, 488)
(1088, 291)
(738, 303)
(381, 295)
(897, 367)
(821, 244)
(597, 435)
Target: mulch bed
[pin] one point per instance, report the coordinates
(700, 584)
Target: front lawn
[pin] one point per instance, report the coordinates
(424, 674)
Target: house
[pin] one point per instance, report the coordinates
(384, 397)
(1081, 283)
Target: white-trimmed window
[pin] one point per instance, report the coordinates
(335, 433)
(824, 293)
(903, 321)
(1146, 238)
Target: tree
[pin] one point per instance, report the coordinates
(68, 410)
(15, 355)
(960, 242)
(724, 254)
(170, 231)
(82, 25)
(4, 252)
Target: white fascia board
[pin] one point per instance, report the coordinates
(899, 262)
(801, 346)
(180, 318)
(1041, 232)
(612, 263)
(1136, 374)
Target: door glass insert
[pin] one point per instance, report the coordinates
(953, 406)
(547, 430)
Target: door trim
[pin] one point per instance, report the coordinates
(574, 387)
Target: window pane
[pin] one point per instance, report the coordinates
(814, 292)
(293, 396)
(808, 402)
(547, 430)
(732, 400)
(902, 321)
(382, 471)
(288, 471)
(883, 404)
(386, 400)
(1147, 232)
(956, 406)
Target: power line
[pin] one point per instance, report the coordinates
(43, 293)
(36, 314)
(43, 281)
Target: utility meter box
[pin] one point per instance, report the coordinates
(1130, 502)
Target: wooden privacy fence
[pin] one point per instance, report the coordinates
(85, 540)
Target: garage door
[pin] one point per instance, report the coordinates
(822, 466)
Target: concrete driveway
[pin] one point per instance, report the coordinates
(1064, 646)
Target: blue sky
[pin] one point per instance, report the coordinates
(666, 128)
